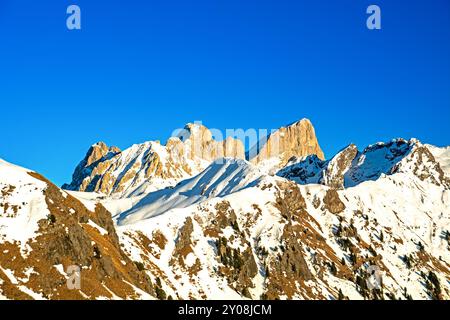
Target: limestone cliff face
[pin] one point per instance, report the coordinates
(296, 140)
(150, 166)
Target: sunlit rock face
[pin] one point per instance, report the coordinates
(296, 140)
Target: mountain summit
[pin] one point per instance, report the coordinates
(295, 140)
(179, 221)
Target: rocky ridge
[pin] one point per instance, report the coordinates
(349, 167)
(151, 166)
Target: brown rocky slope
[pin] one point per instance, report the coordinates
(68, 235)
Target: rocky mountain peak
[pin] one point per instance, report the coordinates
(98, 151)
(295, 140)
(338, 166)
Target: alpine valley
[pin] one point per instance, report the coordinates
(195, 218)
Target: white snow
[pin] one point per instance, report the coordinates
(219, 179)
(378, 199)
(10, 275)
(101, 230)
(88, 199)
(442, 155)
(29, 200)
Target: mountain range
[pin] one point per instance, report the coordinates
(199, 218)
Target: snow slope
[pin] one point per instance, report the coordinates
(222, 177)
(393, 217)
(21, 204)
(442, 156)
(394, 214)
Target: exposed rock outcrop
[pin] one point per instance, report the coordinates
(332, 202)
(239, 266)
(94, 164)
(424, 165)
(296, 140)
(183, 245)
(334, 173)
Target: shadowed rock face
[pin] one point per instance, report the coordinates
(296, 140)
(350, 167)
(313, 170)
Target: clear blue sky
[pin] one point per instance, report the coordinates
(138, 69)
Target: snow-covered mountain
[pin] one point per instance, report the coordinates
(150, 166)
(273, 238)
(285, 226)
(44, 232)
(349, 167)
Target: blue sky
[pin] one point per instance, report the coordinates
(139, 69)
